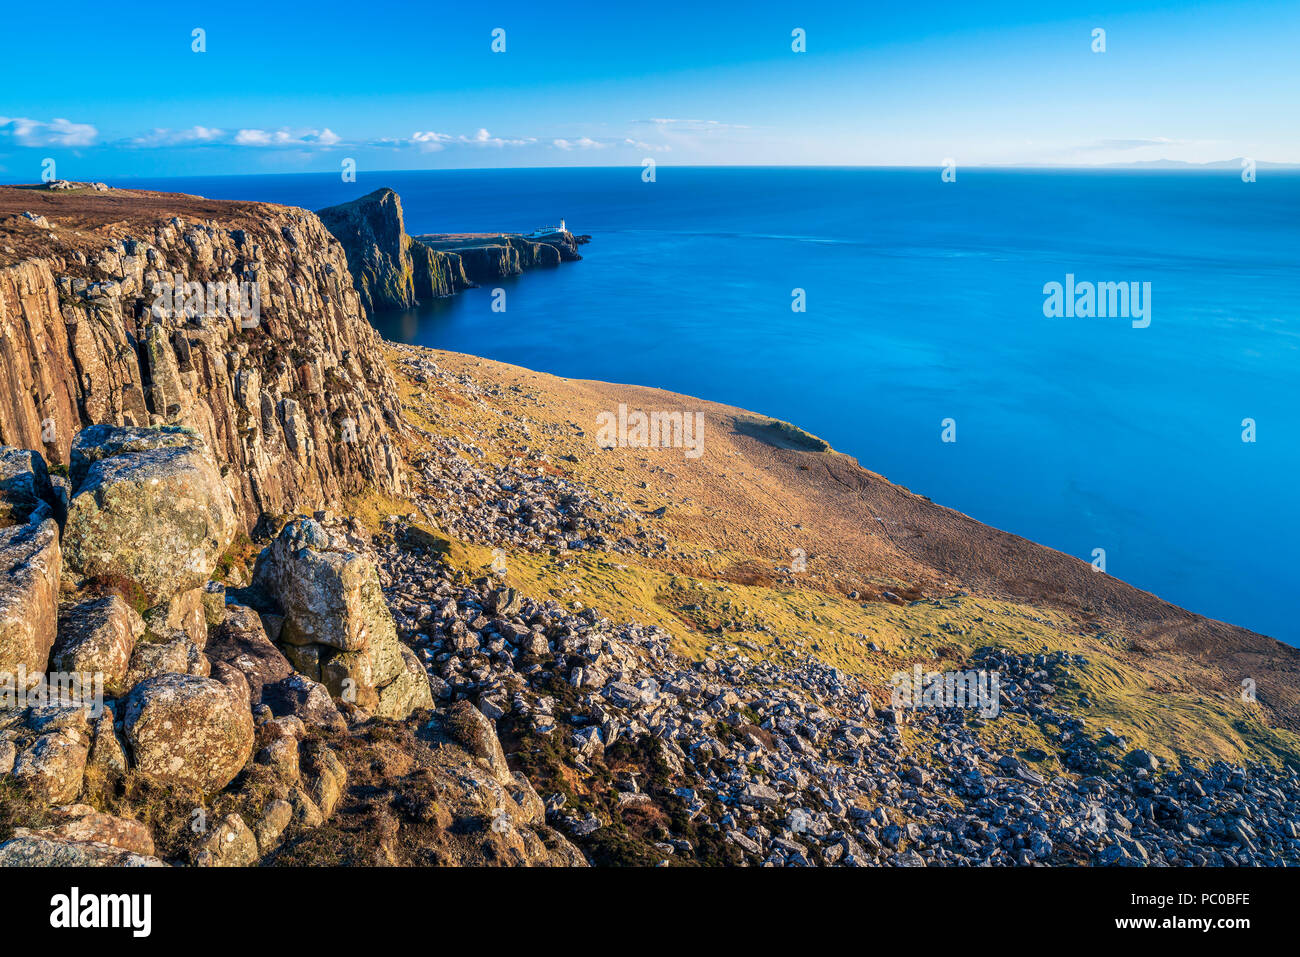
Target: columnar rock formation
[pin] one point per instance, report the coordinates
(166, 409)
(290, 396)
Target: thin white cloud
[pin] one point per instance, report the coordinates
(165, 137)
(429, 142)
(581, 143)
(692, 126)
(57, 132)
(25, 132)
(647, 147)
(484, 138)
(286, 137)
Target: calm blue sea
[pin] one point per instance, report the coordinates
(924, 303)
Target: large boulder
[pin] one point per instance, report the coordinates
(98, 636)
(53, 766)
(98, 442)
(336, 619)
(329, 596)
(30, 562)
(150, 507)
(188, 730)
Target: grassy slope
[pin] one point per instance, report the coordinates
(716, 592)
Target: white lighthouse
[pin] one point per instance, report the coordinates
(546, 231)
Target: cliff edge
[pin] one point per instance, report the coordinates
(237, 320)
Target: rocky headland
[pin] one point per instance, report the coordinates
(393, 270)
(350, 602)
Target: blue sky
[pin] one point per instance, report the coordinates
(113, 91)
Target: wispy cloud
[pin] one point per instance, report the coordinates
(692, 126)
(432, 142)
(587, 143)
(484, 138)
(161, 138)
(32, 133)
(287, 137)
(647, 147)
(165, 137)
(581, 143)
(1137, 144)
(58, 132)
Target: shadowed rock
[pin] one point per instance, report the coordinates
(26, 494)
(241, 641)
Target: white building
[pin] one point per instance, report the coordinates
(546, 231)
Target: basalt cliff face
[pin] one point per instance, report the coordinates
(391, 270)
(171, 370)
(294, 402)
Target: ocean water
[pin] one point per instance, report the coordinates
(925, 303)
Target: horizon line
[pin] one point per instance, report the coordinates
(1152, 166)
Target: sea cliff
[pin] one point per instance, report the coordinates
(393, 270)
(81, 342)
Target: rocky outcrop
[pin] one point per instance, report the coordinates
(30, 565)
(168, 428)
(151, 507)
(435, 274)
(294, 403)
(390, 270)
(489, 258)
(337, 628)
(491, 261)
